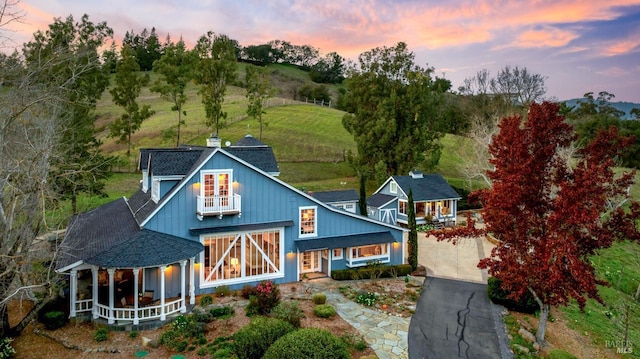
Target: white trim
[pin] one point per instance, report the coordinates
(393, 187)
(315, 221)
(334, 257)
(195, 171)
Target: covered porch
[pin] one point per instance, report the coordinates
(145, 278)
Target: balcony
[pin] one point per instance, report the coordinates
(218, 205)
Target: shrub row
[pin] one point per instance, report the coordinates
(365, 272)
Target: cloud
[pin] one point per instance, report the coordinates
(622, 47)
(546, 37)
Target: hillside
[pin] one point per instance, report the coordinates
(625, 107)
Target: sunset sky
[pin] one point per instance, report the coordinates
(580, 46)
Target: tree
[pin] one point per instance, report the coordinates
(518, 87)
(217, 67)
(128, 84)
(146, 47)
(393, 111)
(258, 92)
(329, 69)
(79, 166)
(175, 66)
(362, 200)
(412, 242)
(35, 106)
(549, 217)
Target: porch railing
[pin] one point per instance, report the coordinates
(144, 313)
(217, 205)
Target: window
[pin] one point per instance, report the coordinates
(337, 253)
(364, 255)
(308, 222)
(393, 187)
(403, 207)
(420, 209)
(236, 256)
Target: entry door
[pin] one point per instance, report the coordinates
(310, 262)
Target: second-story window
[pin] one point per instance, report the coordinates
(308, 221)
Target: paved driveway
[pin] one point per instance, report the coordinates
(454, 319)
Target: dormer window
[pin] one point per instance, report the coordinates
(155, 190)
(308, 222)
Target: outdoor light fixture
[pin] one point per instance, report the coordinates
(234, 263)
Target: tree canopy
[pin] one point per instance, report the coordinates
(393, 112)
(550, 213)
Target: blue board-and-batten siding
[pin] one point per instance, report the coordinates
(264, 200)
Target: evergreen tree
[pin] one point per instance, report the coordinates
(216, 69)
(128, 84)
(175, 66)
(412, 242)
(362, 201)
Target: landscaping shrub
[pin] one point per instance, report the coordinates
(319, 298)
(222, 312)
(6, 350)
(526, 304)
(133, 334)
(247, 291)
(54, 320)
(353, 341)
(289, 311)
(560, 354)
(206, 300)
(324, 311)
(223, 291)
(368, 298)
(252, 341)
(363, 273)
(267, 296)
(101, 335)
(308, 343)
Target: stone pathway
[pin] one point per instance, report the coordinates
(386, 334)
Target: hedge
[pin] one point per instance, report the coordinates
(365, 272)
(308, 343)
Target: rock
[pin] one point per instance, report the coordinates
(509, 336)
(146, 342)
(526, 335)
(521, 349)
(414, 281)
(525, 325)
(536, 347)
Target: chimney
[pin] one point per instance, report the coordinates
(214, 141)
(415, 174)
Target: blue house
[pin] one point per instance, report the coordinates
(346, 199)
(204, 217)
(434, 200)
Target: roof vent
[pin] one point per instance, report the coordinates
(415, 174)
(214, 141)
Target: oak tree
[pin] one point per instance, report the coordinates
(550, 216)
(393, 112)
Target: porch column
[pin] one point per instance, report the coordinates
(183, 306)
(94, 291)
(136, 319)
(192, 284)
(73, 292)
(111, 318)
(163, 316)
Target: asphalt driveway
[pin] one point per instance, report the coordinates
(455, 319)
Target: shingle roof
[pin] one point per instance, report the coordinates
(379, 199)
(146, 249)
(344, 241)
(431, 187)
(141, 205)
(257, 153)
(96, 231)
(347, 195)
(176, 162)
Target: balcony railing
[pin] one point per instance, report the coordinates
(218, 205)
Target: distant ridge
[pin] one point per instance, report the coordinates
(625, 107)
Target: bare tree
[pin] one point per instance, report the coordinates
(8, 15)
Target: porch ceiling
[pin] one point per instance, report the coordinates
(147, 249)
(344, 241)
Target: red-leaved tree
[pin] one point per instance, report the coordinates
(550, 213)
